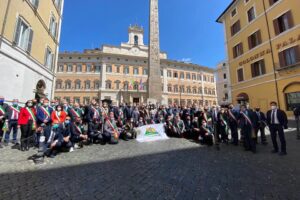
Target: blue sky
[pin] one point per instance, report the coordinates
(188, 30)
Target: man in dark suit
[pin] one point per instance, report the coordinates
(233, 124)
(3, 117)
(277, 122)
(261, 125)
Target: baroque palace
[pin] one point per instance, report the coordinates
(263, 45)
(120, 73)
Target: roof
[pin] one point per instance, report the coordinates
(228, 7)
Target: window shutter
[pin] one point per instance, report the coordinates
(249, 42)
(253, 70)
(29, 44)
(263, 67)
(297, 51)
(259, 37)
(17, 31)
(282, 59)
(276, 26)
(51, 61)
(46, 57)
(242, 50)
(290, 19)
(37, 3)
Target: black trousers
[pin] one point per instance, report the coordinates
(249, 142)
(263, 137)
(26, 134)
(1, 131)
(234, 133)
(274, 129)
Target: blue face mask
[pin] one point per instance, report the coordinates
(67, 122)
(55, 126)
(1, 100)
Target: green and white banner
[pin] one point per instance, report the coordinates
(153, 132)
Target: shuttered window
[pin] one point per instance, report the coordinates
(258, 68)
(240, 74)
(254, 39)
(49, 59)
(235, 28)
(53, 26)
(35, 3)
(289, 56)
(23, 35)
(251, 14)
(283, 23)
(237, 50)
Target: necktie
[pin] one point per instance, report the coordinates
(273, 117)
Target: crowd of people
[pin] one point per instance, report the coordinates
(66, 126)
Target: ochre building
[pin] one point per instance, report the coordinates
(120, 73)
(263, 45)
(29, 46)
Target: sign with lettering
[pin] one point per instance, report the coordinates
(256, 56)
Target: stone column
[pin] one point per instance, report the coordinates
(154, 80)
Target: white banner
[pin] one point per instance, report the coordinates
(151, 133)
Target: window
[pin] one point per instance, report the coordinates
(49, 59)
(289, 56)
(88, 68)
(225, 85)
(77, 84)
(145, 71)
(144, 86)
(181, 75)
(79, 68)
(135, 85)
(86, 100)
(225, 76)
(258, 68)
(283, 23)
(194, 90)
(70, 68)
(200, 90)
(189, 90)
(237, 50)
(97, 84)
(233, 12)
(58, 84)
(108, 68)
(212, 79)
(136, 40)
(254, 39)
(76, 99)
(272, 2)
(204, 78)
(87, 84)
(68, 84)
(161, 72)
(117, 83)
(136, 71)
(97, 68)
(35, 3)
(23, 35)
(205, 91)
(292, 100)
(53, 26)
(175, 75)
(182, 89)
(226, 96)
(240, 74)
(235, 28)
(193, 76)
(169, 88)
(126, 70)
(176, 89)
(169, 73)
(118, 69)
(108, 84)
(60, 68)
(251, 14)
(126, 85)
(199, 77)
(188, 76)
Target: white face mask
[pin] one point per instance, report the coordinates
(273, 107)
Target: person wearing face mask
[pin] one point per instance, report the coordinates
(12, 117)
(129, 130)
(247, 122)
(67, 133)
(188, 127)
(206, 134)
(3, 118)
(44, 120)
(59, 115)
(54, 142)
(277, 122)
(78, 134)
(27, 124)
(261, 125)
(111, 132)
(232, 116)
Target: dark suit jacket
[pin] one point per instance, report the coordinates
(282, 118)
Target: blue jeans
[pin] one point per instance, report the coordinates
(12, 126)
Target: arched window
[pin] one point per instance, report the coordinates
(205, 91)
(169, 88)
(108, 84)
(117, 84)
(77, 84)
(59, 84)
(79, 68)
(87, 84)
(200, 90)
(182, 90)
(125, 85)
(96, 84)
(194, 90)
(136, 40)
(67, 84)
(70, 68)
(189, 90)
(175, 88)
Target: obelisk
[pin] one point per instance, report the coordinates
(154, 77)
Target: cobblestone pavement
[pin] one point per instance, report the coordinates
(171, 169)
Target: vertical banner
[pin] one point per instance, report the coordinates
(153, 132)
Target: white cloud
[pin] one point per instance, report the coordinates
(186, 60)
